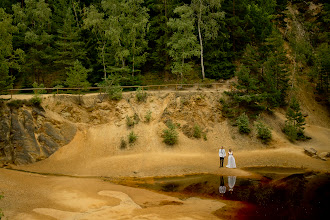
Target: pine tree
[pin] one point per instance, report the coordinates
(294, 125)
(34, 22)
(68, 45)
(9, 58)
(77, 75)
(276, 72)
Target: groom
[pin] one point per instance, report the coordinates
(222, 155)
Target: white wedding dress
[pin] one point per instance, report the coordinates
(231, 161)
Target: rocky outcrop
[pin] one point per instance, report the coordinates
(28, 135)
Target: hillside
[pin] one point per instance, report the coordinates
(95, 149)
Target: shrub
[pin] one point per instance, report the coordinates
(294, 125)
(129, 122)
(148, 116)
(204, 137)
(141, 96)
(115, 92)
(290, 131)
(15, 104)
(132, 137)
(1, 212)
(136, 118)
(170, 124)
(197, 131)
(263, 132)
(36, 100)
(170, 136)
(123, 144)
(243, 124)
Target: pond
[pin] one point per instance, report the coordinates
(276, 195)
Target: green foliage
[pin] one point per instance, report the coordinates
(1, 212)
(170, 136)
(77, 76)
(123, 144)
(294, 125)
(243, 124)
(36, 100)
(148, 116)
(170, 124)
(132, 137)
(16, 103)
(197, 132)
(129, 121)
(183, 43)
(141, 95)
(115, 92)
(9, 58)
(40, 90)
(111, 86)
(291, 131)
(323, 68)
(263, 132)
(204, 137)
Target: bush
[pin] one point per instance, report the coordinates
(129, 122)
(36, 100)
(263, 132)
(132, 137)
(197, 131)
(15, 104)
(141, 96)
(123, 144)
(170, 136)
(291, 131)
(1, 212)
(170, 124)
(243, 124)
(115, 92)
(148, 116)
(204, 137)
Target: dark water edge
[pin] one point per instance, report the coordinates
(277, 195)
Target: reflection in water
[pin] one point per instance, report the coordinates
(231, 182)
(296, 196)
(222, 187)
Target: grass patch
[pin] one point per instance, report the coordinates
(132, 137)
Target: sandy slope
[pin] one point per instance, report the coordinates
(95, 152)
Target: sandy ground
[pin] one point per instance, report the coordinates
(38, 197)
(94, 153)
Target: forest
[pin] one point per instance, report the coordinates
(266, 44)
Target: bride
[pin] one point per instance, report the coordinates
(231, 160)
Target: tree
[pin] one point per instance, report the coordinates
(208, 23)
(68, 44)
(159, 34)
(136, 26)
(101, 29)
(9, 58)
(34, 22)
(120, 31)
(183, 43)
(294, 125)
(77, 76)
(323, 68)
(276, 72)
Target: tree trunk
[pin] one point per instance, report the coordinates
(104, 69)
(75, 13)
(200, 37)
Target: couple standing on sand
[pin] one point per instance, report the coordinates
(231, 159)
